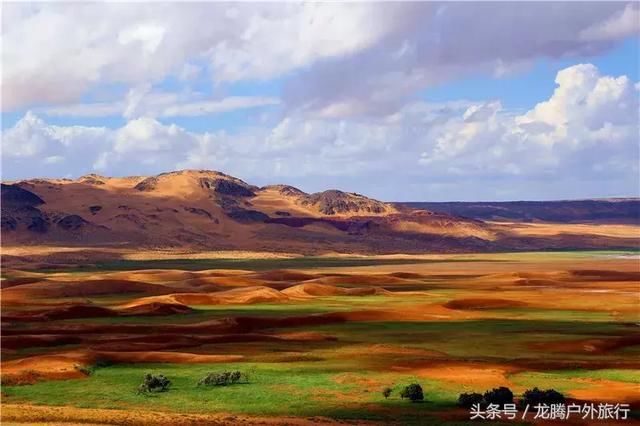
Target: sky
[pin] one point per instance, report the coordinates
(418, 101)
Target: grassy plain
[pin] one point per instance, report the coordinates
(321, 337)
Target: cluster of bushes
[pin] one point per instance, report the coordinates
(502, 395)
(154, 383)
(413, 392)
(159, 383)
(223, 379)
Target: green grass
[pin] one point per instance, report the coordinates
(274, 389)
(248, 264)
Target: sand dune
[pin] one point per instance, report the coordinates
(314, 289)
(363, 279)
(283, 275)
(240, 296)
(157, 308)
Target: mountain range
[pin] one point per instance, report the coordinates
(202, 209)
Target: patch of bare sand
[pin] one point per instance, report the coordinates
(607, 391)
(53, 367)
(48, 415)
(472, 375)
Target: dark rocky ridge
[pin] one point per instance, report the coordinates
(333, 202)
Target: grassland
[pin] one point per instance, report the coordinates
(561, 320)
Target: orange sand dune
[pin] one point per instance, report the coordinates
(59, 366)
(157, 308)
(244, 295)
(283, 275)
(234, 281)
(152, 275)
(375, 280)
(313, 289)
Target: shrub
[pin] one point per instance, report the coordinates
(223, 379)
(386, 392)
(535, 396)
(499, 396)
(413, 392)
(154, 383)
(467, 400)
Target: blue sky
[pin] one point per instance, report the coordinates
(399, 101)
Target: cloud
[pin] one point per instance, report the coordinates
(413, 57)
(620, 24)
(339, 59)
(193, 109)
(580, 142)
(139, 102)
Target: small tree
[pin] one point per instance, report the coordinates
(467, 400)
(413, 392)
(386, 392)
(499, 396)
(154, 383)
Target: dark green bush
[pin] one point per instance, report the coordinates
(413, 392)
(154, 383)
(535, 396)
(499, 396)
(223, 379)
(467, 400)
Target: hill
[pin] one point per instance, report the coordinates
(208, 210)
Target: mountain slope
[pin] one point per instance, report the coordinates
(201, 209)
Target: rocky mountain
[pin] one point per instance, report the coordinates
(201, 209)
